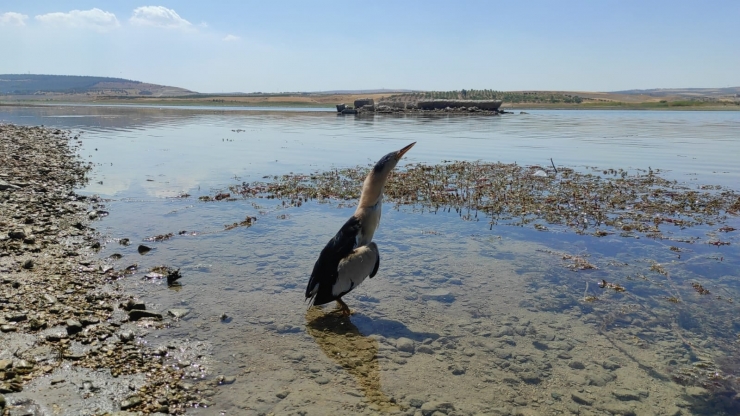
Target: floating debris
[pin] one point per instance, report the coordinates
(160, 237)
(700, 289)
(606, 285)
(607, 200)
(246, 223)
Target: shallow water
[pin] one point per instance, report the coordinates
(501, 320)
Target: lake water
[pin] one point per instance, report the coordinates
(501, 320)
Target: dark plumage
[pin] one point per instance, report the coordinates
(351, 256)
(325, 270)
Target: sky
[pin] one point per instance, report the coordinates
(280, 46)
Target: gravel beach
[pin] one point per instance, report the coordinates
(71, 340)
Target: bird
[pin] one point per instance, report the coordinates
(351, 255)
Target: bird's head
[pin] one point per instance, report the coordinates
(375, 181)
(386, 163)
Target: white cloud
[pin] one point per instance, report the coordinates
(13, 19)
(231, 38)
(158, 16)
(93, 19)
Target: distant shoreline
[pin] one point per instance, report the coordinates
(330, 102)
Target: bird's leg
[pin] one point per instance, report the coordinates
(343, 308)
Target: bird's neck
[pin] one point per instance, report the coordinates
(372, 192)
(369, 209)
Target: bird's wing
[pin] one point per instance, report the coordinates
(353, 269)
(377, 262)
(325, 269)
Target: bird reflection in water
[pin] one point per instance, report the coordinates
(342, 342)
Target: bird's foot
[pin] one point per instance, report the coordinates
(343, 309)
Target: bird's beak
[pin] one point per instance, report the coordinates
(404, 150)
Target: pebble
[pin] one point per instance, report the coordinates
(625, 394)
(428, 408)
(405, 344)
(282, 394)
(136, 314)
(581, 399)
(456, 369)
(425, 349)
(131, 401)
(322, 380)
(439, 295)
(576, 365)
(178, 313)
(73, 326)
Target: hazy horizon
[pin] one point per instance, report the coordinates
(224, 47)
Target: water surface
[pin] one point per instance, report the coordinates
(500, 320)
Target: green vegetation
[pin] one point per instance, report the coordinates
(535, 97)
(24, 84)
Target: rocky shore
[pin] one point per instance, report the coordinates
(71, 339)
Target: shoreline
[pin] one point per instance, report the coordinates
(70, 336)
(298, 105)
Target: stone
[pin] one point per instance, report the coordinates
(136, 314)
(428, 408)
(425, 349)
(456, 369)
(322, 380)
(282, 394)
(625, 394)
(17, 234)
(131, 401)
(581, 398)
(576, 365)
(28, 264)
(405, 344)
(126, 336)
(617, 408)
(600, 379)
(6, 365)
(697, 392)
(415, 401)
(530, 377)
(439, 295)
(610, 365)
(16, 317)
(505, 331)
(178, 313)
(3, 403)
(540, 345)
(73, 326)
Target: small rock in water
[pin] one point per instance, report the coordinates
(625, 394)
(581, 398)
(136, 314)
(405, 344)
(429, 408)
(439, 295)
(576, 365)
(143, 249)
(456, 369)
(178, 313)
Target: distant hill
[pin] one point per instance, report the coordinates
(32, 84)
(685, 92)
